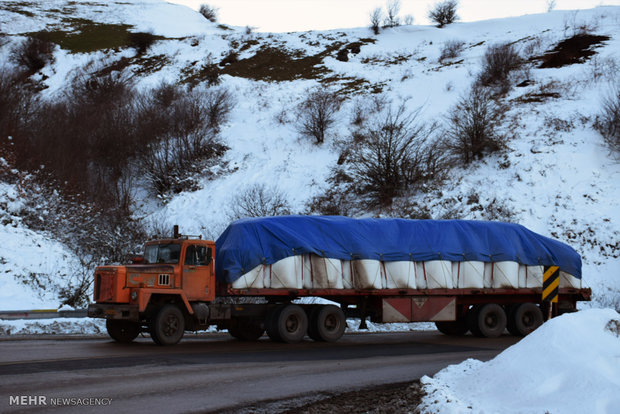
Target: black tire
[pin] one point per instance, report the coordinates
(122, 331)
(472, 320)
(453, 328)
(246, 329)
(168, 326)
(327, 323)
(524, 319)
(490, 320)
(311, 313)
(271, 323)
(288, 323)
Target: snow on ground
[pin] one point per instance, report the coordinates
(569, 365)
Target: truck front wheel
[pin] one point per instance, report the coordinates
(168, 326)
(122, 331)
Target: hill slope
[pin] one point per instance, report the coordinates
(556, 176)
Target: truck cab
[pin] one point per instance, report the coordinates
(165, 291)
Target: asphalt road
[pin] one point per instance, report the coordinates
(215, 372)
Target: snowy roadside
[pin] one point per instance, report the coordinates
(91, 326)
(570, 364)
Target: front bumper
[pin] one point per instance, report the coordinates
(114, 311)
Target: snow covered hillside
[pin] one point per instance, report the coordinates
(556, 176)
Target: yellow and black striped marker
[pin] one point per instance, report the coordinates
(551, 284)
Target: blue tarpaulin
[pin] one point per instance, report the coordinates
(249, 242)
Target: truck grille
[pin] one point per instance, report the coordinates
(164, 280)
(104, 287)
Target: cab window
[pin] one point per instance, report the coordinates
(196, 255)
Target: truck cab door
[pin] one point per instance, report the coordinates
(198, 275)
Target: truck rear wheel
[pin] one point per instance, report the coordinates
(487, 321)
(327, 323)
(246, 329)
(524, 318)
(168, 326)
(287, 323)
(122, 331)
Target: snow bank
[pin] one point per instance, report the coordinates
(56, 326)
(571, 364)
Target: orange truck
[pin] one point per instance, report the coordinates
(464, 276)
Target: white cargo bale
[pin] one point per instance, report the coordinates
(251, 280)
(347, 274)
(438, 274)
(368, 274)
(488, 275)
(505, 275)
(400, 275)
(530, 276)
(569, 281)
(470, 274)
(307, 277)
(326, 273)
(420, 277)
(285, 273)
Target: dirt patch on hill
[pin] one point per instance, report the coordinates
(576, 49)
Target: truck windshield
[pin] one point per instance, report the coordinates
(162, 253)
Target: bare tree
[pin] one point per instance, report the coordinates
(499, 60)
(259, 200)
(375, 19)
(33, 54)
(393, 155)
(393, 8)
(608, 122)
(209, 12)
(409, 20)
(471, 131)
(444, 12)
(317, 114)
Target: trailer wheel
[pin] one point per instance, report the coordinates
(122, 331)
(168, 326)
(524, 318)
(287, 323)
(487, 321)
(327, 323)
(453, 328)
(246, 329)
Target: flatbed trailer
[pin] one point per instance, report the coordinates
(174, 288)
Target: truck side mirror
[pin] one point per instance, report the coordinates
(209, 256)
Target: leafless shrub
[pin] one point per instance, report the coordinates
(16, 103)
(550, 5)
(471, 127)
(209, 12)
(393, 155)
(444, 12)
(259, 200)
(375, 19)
(218, 104)
(393, 8)
(499, 60)
(451, 49)
(141, 41)
(33, 54)
(608, 121)
(317, 113)
(409, 20)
